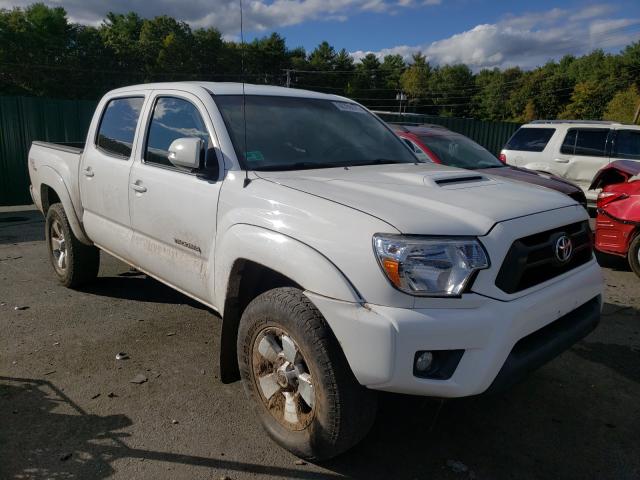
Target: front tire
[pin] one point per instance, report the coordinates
(74, 263)
(298, 379)
(634, 255)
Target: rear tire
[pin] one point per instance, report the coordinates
(634, 255)
(74, 263)
(296, 375)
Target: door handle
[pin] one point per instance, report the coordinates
(138, 188)
(561, 160)
(88, 172)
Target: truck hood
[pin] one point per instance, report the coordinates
(424, 199)
(536, 178)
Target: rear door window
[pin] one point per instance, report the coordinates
(530, 139)
(627, 144)
(569, 142)
(118, 126)
(590, 142)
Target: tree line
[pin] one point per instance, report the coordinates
(43, 54)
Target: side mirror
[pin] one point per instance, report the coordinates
(185, 152)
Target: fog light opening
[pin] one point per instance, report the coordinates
(424, 361)
(436, 364)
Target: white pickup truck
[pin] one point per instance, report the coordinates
(339, 263)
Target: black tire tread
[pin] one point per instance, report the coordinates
(83, 261)
(353, 406)
(632, 256)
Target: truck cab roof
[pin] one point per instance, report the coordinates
(229, 88)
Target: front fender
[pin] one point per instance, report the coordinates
(49, 177)
(286, 255)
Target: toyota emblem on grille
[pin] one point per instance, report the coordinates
(563, 249)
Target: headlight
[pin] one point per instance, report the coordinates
(429, 266)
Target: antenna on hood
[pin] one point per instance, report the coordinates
(247, 180)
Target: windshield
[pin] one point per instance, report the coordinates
(288, 133)
(459, 151)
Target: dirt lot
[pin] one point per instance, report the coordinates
(68, 409)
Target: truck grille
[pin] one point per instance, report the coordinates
(532, 260)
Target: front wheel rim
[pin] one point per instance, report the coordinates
(283, 379)
(58, 246)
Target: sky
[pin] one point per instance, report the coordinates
(480, 33)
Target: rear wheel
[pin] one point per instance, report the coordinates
(634, 255)
(295, 373)
(74, 263)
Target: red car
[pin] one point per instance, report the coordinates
(440, 145)
(618, 220)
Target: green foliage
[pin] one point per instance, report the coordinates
(415, 81)
(42, 53)
(452, 89)
(323, 58)
(623, 105)
(493, 89)
(529, 113)
(588, 101)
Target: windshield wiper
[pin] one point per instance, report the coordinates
(298, 166)
(313, 165)
(377, 161)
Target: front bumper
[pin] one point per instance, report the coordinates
(380, 342)
(538, 348)
(613, 235)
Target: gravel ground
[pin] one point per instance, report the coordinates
(68, 409)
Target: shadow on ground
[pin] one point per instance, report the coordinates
(622, 359)
(533, 431)
(134, 285)
(52, 437)
(19, 227)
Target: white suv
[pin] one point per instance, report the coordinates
(574, 150)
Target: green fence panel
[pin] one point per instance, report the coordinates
(491, 135)
(25, 119)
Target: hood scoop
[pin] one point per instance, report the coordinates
(452, 180)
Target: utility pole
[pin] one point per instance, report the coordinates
(288, 82)
(401, 97)
(637, 114)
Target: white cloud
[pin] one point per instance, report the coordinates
(591, 11)
(258, 15)
(526, 40)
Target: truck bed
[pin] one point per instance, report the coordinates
(50, 163)
(71, 147)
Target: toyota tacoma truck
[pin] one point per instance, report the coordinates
(339, 263)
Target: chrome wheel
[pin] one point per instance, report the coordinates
(58, 246)
(283, 378)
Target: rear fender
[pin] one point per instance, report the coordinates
(50, 178)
